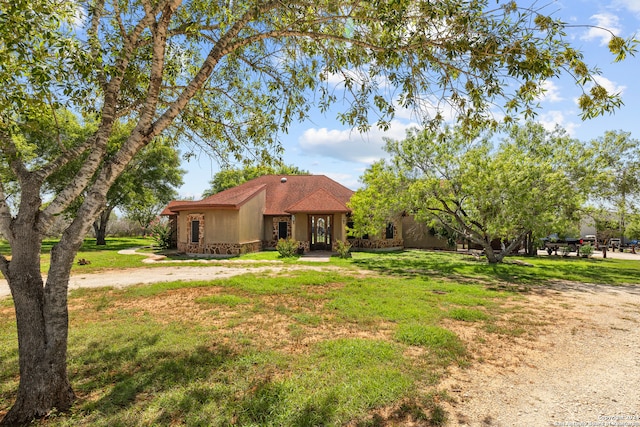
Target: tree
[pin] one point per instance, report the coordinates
(145, 186)
(228, 77)
(230, 177)
(532, 183)
(617, 188)
(633, 227)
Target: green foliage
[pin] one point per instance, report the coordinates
(565, 251)
(633, 227)
(343, 248)
(586, 251)
(287, 248)
(616, 160)
(532, 182)
(161, 233)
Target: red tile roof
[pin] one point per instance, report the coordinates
(169, 209)
(284, 195)
(319, 202)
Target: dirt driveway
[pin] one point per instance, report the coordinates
(134, 276)
(580, 368)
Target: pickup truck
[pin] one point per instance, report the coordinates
(553, 243)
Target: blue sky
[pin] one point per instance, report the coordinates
(323, 146)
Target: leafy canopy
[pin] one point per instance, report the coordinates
(531, 182)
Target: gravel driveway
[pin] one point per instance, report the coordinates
(583, 369)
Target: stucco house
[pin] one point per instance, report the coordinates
(253, 216)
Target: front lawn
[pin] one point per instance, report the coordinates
(359, 346)
(99, 258)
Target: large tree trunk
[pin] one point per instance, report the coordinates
(530, 245)
(100, 227)
(492, 256)
(42, 321)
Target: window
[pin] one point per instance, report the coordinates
(283, 230)
(195, 231)
(389, 231)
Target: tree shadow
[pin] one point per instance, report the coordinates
(136, 368)
(269, 398)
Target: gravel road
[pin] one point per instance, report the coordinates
(583, 369)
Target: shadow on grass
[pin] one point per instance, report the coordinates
(139, 377)
(89, 245)
(529, 272)
(128, 367)
(267, 399)
(412, 263)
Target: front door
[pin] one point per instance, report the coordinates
(320, 230)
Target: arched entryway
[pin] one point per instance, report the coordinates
(320, 232)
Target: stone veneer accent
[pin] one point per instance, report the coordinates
(191, 218)
(376, 244)
(221, 248)
(276, 221)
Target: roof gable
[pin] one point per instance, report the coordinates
(303, 193)
(232, 198)
(320, 201)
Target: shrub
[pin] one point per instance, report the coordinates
(586, 251)
(565, 250)
(160, 232)
(343, 249)
(287, 248)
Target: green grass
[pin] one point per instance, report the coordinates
(444, 345)
(467, 315)
(461, 267)
(227, 300)
(295, 348)
(100, 257)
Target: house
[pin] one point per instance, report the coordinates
(312, 209)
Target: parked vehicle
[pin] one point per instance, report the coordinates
(553, 243)
(614, 244)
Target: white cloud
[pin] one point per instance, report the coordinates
(551, 119)
(603, 22)
(610, 86)
(348, 180)
(351, 145)
(552, 92)
(631, 5)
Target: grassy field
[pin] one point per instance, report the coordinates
(364, 345)
(100, 257)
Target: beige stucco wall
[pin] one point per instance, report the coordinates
(340, 227)
(417, 236)
(221, 226)
(250, 219)
(301, 227)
